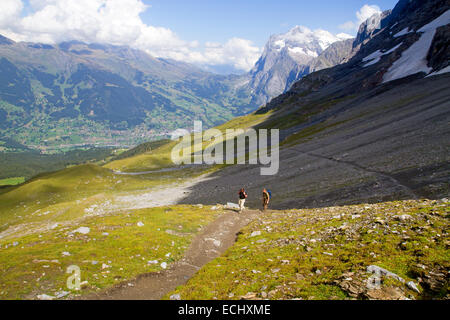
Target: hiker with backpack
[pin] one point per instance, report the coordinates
(242, 196)
(267, 195)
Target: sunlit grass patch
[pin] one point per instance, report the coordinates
(152, 160)
(160, 157)
(12, 181)
(303, 254)
(67, 193)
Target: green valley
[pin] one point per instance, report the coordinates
(77, 94)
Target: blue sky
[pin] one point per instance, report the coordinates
(223, 34)
(256, 20)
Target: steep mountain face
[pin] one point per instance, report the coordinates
(290, 56)
(76, 92)
(335, 54)
(4, 40)
(370, 27)
(410, 43)
(366, 131)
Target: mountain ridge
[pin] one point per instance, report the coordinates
(115, 95)
(107, 88)
(105, 94)
(290, 56)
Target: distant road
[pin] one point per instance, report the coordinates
(156, 171)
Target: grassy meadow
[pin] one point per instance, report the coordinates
(119, 246)
(39, 219)
(319, 254)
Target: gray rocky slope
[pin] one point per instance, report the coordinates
(349, 136)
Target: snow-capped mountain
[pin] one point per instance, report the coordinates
(288, 57)
(392, 49)
(301, 42)
(410, 40)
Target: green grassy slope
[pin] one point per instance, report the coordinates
(305, 254)
(156, 155)
(145, 159)
(38, 219)
(12, 181)
(73, 94)
(323, 254)
(119, 246)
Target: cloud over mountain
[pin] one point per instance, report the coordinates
(116, 22)
(362, 15)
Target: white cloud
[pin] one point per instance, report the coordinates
(344, 36)
(366, 12)
(9, 14)
(115, 22)
(362, 15)
(240, 53)
(10, 10)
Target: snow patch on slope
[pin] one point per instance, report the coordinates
(442, 20)
(403, 32)
(376, 56)
(445, 70)
(414, 59)
(299, 50)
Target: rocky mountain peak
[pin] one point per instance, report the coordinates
(370, 27)
(407, 44)
(301, 43)
(4, 40)
(289, 56)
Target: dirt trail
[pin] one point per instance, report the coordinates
(156, 197)
(215, 239)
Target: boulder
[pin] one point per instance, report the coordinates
(383, 272)
(232, 206)
(175, 297)
(82, 230)
(412, 286)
